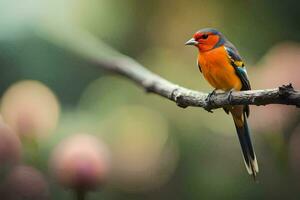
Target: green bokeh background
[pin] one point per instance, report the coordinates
(209, 164)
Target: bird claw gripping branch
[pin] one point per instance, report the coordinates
(208, 101)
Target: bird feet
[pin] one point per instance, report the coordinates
(229, 95)
(208, 100)
(211, 94)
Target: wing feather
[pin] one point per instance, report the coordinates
(240, 69)
(239, 66)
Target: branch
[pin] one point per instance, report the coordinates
(184, 97)
(107, 58)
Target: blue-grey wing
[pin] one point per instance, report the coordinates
(239, 66)
(240, 70)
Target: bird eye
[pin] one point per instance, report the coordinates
(204, 36)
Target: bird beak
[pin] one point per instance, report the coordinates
(192, 41)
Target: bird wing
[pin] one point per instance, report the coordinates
(240, 70)
(239, 66)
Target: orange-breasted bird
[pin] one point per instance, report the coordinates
(222, 66)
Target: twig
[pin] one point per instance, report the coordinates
(91, 48)
(184, 97)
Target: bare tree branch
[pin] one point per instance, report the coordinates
(184, 97)
(91, 48)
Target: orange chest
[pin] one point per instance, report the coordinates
(217, 69)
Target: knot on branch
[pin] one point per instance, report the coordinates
(208, 106)
(286, 90)
(149, 85)
(178, 98)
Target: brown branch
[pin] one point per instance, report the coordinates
(91, 48)
(184, 97)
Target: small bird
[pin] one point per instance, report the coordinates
(223, 68)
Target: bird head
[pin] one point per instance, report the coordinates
(206, 39)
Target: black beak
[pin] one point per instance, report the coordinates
(192, 42)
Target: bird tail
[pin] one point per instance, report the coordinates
(247, 148)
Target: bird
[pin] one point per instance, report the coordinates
(222, 66)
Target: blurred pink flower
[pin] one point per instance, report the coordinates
(30, 108)
(24, 182)
(80, 162)
(279, 67)
(10, 146)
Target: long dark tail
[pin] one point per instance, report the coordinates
(247, 148)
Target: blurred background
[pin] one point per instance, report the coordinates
(71, 130)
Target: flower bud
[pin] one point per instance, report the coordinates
(80, 162)
(30, 108)
(25, 182)
(10, 146)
